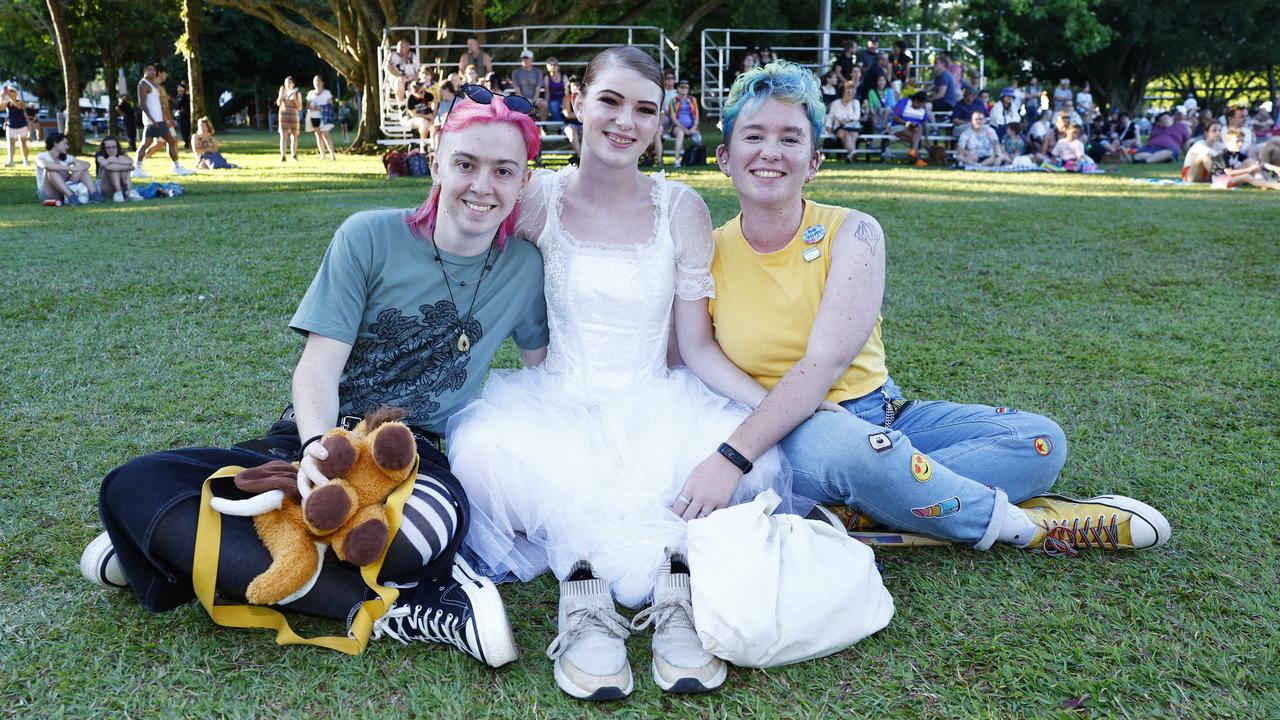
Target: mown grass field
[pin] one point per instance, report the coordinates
(1142, 318)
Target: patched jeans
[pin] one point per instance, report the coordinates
(942, 469)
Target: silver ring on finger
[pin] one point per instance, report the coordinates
(684, 500)
(702, 515)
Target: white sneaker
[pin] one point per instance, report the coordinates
(179, 170)
(117, 197)
(9, 164)
(133, 195)
(82, 192)
(464, 611)
(590, 653)
(100, 565)
(138, 172)
(680, 664)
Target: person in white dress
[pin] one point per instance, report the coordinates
(580, 464)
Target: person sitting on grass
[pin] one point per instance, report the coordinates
(1238, 168)
(979, 144)
(808, 334)
(682, 111)
(385, 325)
(1165, 141)
(844, 120)
(114, 170)
(1203, 155)
(1069, 152)
(909, 116)
(1013, 143)
(61, 179)
(206, 146)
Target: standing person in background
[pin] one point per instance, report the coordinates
(866, 57)
(182, 113)
(844, 63)
(553, 90)
(1084, 101)
(1031, 102)
(129, 118)
(16, 128)
(683, 113)
(475, 56)
(1062, 94)
(527, 81)
(289, 102)
(900, 61)
(155, 127)
(321, 116)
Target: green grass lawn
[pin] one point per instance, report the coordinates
(1142, 318)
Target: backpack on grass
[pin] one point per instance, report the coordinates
(694, 155)
(416, 162)
(396, 163)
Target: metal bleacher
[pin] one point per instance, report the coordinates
(440, 48)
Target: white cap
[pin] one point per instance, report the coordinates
(526, 54)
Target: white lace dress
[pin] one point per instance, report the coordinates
(584, 455)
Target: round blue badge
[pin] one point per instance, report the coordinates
(814, 233)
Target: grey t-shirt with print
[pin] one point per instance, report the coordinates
(380, 290)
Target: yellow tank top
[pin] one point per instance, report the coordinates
(765, 304)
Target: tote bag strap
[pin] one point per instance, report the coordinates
(204, 575)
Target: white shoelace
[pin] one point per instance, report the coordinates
(660, 614)
(435, 626)
(583, 620)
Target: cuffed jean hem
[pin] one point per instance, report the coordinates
(998, 511)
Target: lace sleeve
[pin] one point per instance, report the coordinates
(534, 206)
(691, 232)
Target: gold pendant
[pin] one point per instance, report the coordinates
(464, 342)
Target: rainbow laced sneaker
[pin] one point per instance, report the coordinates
(1106, 522)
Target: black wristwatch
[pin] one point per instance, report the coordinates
(739, 460)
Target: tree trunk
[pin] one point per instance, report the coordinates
(195, 70)
(111, 73)
(478, 19)
(1275, 91)
(70, 82)
(370, 104)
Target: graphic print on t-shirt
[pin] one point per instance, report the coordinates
(409, 360)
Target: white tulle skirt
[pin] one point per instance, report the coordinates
(551, 480)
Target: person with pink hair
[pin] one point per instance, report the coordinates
(407, 310)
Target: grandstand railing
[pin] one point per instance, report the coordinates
(440, 47)
(722, 51)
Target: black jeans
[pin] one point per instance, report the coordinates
(150, 508)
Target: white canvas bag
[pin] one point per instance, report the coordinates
(770, 590)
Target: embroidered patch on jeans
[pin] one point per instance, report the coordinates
(1004, 410)
(1043, 444)
(950, 506)
(880, 442)
(920, 467)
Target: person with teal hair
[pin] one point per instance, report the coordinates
(799, 287)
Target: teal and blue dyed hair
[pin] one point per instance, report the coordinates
(780, 79)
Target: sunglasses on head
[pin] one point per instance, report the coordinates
(484, 96)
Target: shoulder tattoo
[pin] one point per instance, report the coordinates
(869, 235)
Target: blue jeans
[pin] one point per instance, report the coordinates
(943, 469)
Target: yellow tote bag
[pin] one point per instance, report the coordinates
(204, 575)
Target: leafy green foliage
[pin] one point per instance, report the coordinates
(1140, 317)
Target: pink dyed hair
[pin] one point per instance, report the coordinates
(465, 112)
